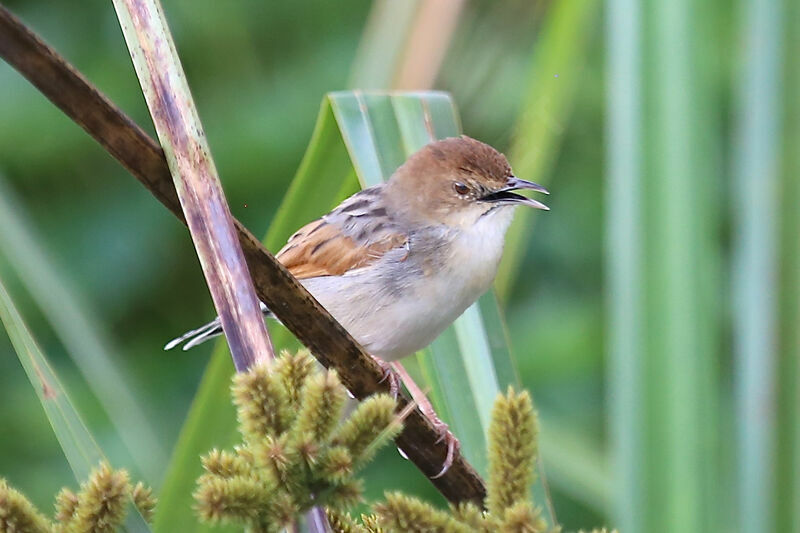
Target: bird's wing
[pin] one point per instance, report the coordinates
(354, 235)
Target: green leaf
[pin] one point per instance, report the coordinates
(79, 331)
(663, 243)
(787, 459)
(755, 262)
(79, 446)
(556, 72)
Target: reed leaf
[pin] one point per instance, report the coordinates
(787, 423)
(79, 331)
(78, 444)
(661, 264)
(755, 280)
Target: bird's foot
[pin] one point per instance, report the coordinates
(390, 375)
(445, 435)
(426, 407)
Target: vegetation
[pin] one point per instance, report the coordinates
(652, 312)
(295, 453)
(100, 506)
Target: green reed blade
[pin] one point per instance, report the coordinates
(78, 444)
(80, 333)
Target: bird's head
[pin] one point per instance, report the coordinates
(457, 181)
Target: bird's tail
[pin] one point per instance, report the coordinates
(203, 333)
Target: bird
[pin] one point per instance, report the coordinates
(397, 263)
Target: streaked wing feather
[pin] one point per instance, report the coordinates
(347, 238)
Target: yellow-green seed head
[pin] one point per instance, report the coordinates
(102, 501)
(293, 371)
(17, 514)
(225, 464)
(523, 517)
(66, 504)
(320, 408)
(512, 451)
(335, 465)
(342, 522)
(371, 425)
(262, 403)
(404, 513)
(144, 500)
(230, 499)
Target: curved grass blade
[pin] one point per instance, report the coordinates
(80, 448)
(78, 330)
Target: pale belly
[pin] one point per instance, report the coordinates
(394, 326)
(400, 307)
(410, 324)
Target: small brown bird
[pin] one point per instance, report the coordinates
(397, 263)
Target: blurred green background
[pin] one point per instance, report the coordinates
(653, 312)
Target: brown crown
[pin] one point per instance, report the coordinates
(466, 153)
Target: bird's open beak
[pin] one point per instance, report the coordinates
(505, 196)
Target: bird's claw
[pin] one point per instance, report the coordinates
(394, 372)
(453, 445)
(391, 375)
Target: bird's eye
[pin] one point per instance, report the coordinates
(460, 188)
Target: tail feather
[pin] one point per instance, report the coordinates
(203, 333)
(197, 336)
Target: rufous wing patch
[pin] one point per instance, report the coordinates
(322, 249)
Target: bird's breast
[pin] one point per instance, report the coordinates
(402, 303)
(456, 270)
(475, 252)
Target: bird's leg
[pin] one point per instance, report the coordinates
(388, 373)
(427, 409)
